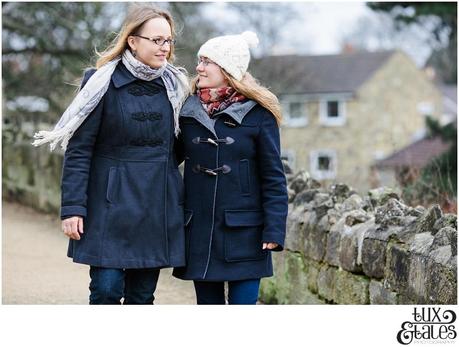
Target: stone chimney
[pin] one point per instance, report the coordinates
(347, 48)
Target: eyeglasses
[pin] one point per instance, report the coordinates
(204, 62)
(159, 41)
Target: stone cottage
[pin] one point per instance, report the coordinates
(343, 112)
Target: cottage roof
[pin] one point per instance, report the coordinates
(418, 154)
(301, 74)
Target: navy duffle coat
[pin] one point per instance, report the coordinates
(120, 173)
(235, 191)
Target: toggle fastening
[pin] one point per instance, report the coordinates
(227, 140)
(212, 172)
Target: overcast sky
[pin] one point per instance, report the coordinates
(321, 23)
(328, 21)
(324, 25)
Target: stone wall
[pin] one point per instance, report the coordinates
(342, 248)
(32, 175)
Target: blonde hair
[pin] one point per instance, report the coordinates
(252, 89)
(137, 15)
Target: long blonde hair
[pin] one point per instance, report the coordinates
(251, 89)
(137, 15)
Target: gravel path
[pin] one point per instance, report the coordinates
(36, 269)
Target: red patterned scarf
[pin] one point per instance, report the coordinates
(217, 99)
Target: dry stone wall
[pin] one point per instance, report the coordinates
(32, 175)
(342, 248)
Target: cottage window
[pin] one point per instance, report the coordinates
(295, 110)
(295, 113)
(332, 112)
(323, 164)
(332, 109)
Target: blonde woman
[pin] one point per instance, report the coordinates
(122, 193)
(236, 197)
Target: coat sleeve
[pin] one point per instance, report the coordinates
(273, 182)
(77, 162)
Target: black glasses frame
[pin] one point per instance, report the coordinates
(158, 41)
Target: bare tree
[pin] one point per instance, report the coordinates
(379, 31)
(267, 19)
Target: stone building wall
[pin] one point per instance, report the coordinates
(342, 248)
(382, 117)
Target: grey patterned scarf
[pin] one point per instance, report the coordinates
(89, 96)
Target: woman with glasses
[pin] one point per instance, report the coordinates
(235, 188)
(122, 193)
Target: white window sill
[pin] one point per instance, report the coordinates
(296, 123)
(337, 123)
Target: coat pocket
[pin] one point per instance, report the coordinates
(111, 185)
(244, 176)
(243, 234)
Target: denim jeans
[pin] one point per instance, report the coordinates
(109, 286)
(243, 292)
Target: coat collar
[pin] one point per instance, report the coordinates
(194, 109)
(238, 110)
(121, 76)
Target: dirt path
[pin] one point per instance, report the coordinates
(36, 270)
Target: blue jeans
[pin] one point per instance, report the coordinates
(109, 286)
(243, 292)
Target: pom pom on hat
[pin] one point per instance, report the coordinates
(251, 38)
(231, 52)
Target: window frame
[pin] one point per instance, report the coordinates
(303, 119)
(324, 119)
(314, 164)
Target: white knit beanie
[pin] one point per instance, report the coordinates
(230, 52)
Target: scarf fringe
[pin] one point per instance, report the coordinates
(55, 136)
